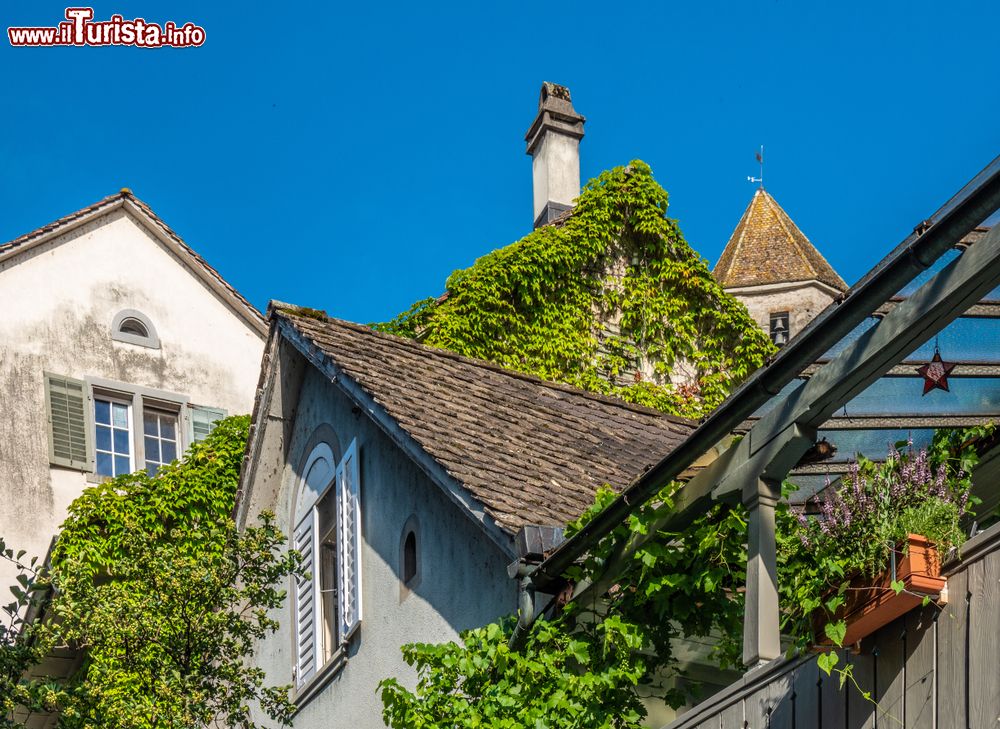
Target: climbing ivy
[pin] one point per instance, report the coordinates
(151, 580)
(611, 299)
(589, 664)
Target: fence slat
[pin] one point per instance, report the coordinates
(805, 695)
(833, 700)
(889, 672)
(770, 707)
(732, 716)
(861, 711)
(951, 641)
(984, 643)
(920, 678)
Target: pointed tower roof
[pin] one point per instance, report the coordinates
(768, 248)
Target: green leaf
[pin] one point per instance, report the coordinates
(836, 631)
(898, 586)
(826, 661)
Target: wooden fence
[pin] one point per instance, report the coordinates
(934, 668)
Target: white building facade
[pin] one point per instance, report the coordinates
(119, 346)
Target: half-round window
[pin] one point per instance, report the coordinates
(131, 325)
(134, 327)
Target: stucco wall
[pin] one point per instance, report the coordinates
(58, 301)
(462, 584)
(555, 170)
(804, 301)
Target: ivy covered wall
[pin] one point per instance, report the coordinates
(611, 299)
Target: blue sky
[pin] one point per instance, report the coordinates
(350, 156)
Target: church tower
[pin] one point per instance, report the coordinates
(771, 267)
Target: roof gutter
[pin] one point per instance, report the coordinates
(929, 241)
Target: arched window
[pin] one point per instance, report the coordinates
(409, 557)
(134, 327)
(327, 603)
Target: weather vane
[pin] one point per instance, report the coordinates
(760, 159)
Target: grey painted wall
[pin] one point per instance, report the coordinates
(463, 580)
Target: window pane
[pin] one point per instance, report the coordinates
(930, 273)
(168, 451)
(809, 485)
(102, 411)
(851, 337)
(902, 396)
(149, 423)
(152, 468)
(121, 440)
(104, 464)
(152, 449)
(168, 427)
(964, 340)
(121, 465)
(770, 404)
(103, 438)
(874, 443)
(119, 413)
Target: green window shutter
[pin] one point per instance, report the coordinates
(69, 437)
(203, 421)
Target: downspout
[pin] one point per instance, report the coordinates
(918, 251)
(525, 608)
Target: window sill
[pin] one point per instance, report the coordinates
(317, 683)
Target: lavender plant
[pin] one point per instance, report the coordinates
(859, 523)
(878, 504)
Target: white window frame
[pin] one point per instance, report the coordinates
(113, 399)
(325, 659)
(138, 398)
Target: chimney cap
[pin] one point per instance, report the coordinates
(554, 90)
(555, 113)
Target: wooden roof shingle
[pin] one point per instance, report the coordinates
(530, 451)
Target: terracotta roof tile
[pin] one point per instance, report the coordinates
(528, 450)
(768, 248)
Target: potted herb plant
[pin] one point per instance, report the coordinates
(873, 549)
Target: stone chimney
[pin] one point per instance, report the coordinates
(554, 145)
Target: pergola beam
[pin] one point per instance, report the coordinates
(753, 469)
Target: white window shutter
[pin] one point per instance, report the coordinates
(69, 437)
(203, 421)
(349, 542)
(306, 648)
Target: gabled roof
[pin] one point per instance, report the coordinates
(768, 248)
(144, 214)
(527, 450)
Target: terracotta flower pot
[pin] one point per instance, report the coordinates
(872, 603)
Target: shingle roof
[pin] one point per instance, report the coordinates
(125, 197)
(530, 451)
(768, 248)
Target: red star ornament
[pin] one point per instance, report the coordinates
(935, 373)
